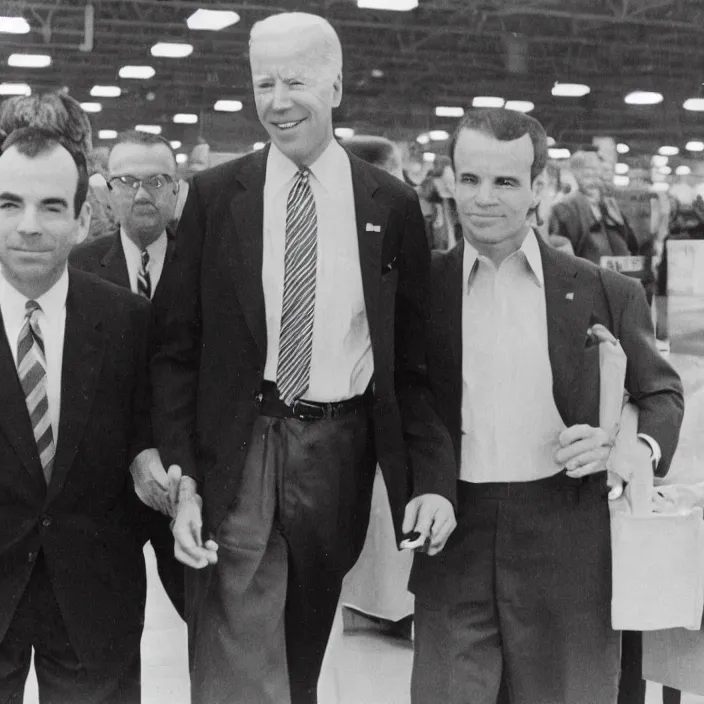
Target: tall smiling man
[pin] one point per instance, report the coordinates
(523, 587)
(289, 359)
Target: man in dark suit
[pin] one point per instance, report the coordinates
(143, 189)
(289, 358)
(523, 587)
(74, 413)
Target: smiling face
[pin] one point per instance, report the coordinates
(494, 191)
(38, 226)
(295, 90)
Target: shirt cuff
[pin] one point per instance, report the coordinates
(656, 455)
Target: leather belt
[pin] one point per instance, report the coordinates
(302, 409)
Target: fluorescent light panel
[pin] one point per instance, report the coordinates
(394, 5)
(621, 169)
(212, 20)
(643, 97)
(228, 105)
(106, 91)
(520, 105)
(344, 132)
(622, 148)
(423, 138)
(14, 25)
(91, 107)
(141, 72)
(185, 118)
(152, 129)
(175, 144)
(258, 145)
(665, 170)
(683, 170)
(659, 160)
(107, 134)
(558, 153)
(570, 90)
(620, 180)
(29, 60)
(668, 151)
(488, 101)
(695, 146)
(660, 187)
(15, 89)
(172, 50)
(181, 158)
(696, 104)
(448, 111)
(439, 135)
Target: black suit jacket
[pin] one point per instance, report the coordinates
(210, 332)
(105, 257)
(81, 521)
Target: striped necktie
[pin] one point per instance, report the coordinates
(144, 280)
(298, 305)
(31, 367)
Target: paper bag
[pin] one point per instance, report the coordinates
(657, 559)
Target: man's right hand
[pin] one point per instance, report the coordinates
(187, 529)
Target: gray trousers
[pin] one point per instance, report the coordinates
(261, 616)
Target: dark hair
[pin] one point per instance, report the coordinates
(146, 138)
(377, 151)
(505, 125)
(56, 113)
(33, 142)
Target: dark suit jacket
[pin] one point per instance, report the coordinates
(596, 296)
(81, 521)
(105, 257)
(210, 333)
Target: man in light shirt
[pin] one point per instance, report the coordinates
(143, 189)
(522, 590)
(74, 413)
(289, 359)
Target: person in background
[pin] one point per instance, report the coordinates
(438, 205)
(522, 591)
(289, 359)
(143, 189)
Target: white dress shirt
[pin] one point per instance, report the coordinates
(342, 362)
(52, 323)
(133, 257)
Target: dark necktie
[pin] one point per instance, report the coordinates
(144, 280)
(31, 368)
(298, 305)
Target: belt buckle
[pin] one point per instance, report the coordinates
(305, 410)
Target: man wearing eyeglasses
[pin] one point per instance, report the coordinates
(143, 190)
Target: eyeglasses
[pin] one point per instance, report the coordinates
(131, 183)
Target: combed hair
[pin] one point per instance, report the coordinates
(146, 138)
(377, 151)
(56, 113)
(33, 142)
(505, 125)
(286, 22)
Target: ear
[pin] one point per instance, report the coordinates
(537, 188)
(83, 223)
(337, 91)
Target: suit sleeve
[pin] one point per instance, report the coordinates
(654, 386)
(142, 436)
(175, 361)
(430, 455)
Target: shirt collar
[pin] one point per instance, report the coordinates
(157, 249)
(52, 302)
(280, 170)
(530, 251)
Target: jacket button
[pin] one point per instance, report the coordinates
(46, 521)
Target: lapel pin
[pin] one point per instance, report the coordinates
(373, 228)
(570, 296)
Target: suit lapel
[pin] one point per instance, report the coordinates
(569, 300)
(247, 211)
(14, 418)
(82, 360)
(371, 217)
(451, 286)
(113, 266)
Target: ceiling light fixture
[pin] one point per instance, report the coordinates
(570, 90)
(520, 105)
(439, 135)
(212, 20)
(423, 138)
(659, 160)
(683, 170)
(107, 134)
(665, 170)
(91, 107)
(448, 111)
(181, 158)
(660, 187)
(668, 151)
(106, 91)
(377, 73)
(558, 153)
(551, 142)
(488, 101)
(622, 148)
(175, 144)
(185, 118)
(15, 89)
(622, 181)
(393, 5)
(428, 156)
(344, 132)
(258, 145)
(172, 50)
(228, 105)
(14, 25)
(696, 104)
(694, 146)
(621, 169)
(29, 60)
(140, 72)
(152, 129)
(643, 97)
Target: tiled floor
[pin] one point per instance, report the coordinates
(377, 668)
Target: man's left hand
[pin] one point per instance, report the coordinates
(583, 450)
(432, 516)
